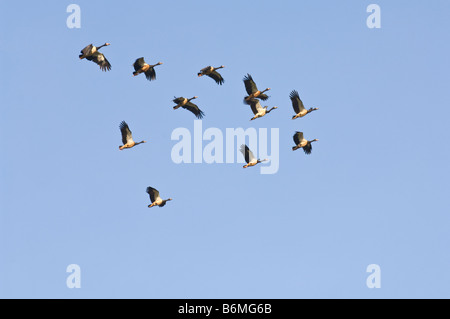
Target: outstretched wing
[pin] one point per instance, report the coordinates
(126, 133)
(178, 100)
(87, 50)
(263, 97)
(250, 85)
(153, 192)
(205, 70)
(297, 104)
(194, 109)
(248, 155)
(298, 137)
(150, 74)
(307, 148)
(100, 59)
(138, 64)
(255, 105)
(216, 77)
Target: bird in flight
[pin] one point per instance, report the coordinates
(91, 53)
(249, 157)
(301, 142)
(127, 138)
(212, 73)
(188, 105)
(155, 199)
(140, 66)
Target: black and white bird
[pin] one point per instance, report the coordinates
(212, 73)
(140, 66)
(298, 106)
(155, 199)
(301, 142)
(91, 53)
(257, 109)
(252, 89)
(127, 138)
(250, 159)
(188, 105)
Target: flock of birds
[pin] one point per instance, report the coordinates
(92, 53)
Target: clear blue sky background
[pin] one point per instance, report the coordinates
(374, 191)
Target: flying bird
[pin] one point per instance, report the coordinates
(212, 73)
(91, 53)
(257, 109)
(252, 89)
(301, 142)
(249, 157)
(155, 198)
(188, 105)
(127, 138)
(140, 66)
(298, 106)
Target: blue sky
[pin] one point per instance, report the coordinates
(373, 191)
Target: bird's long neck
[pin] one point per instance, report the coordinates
(314, 140)
(260, 161)
(271, 109)
(219, 67)
(101, 46)
(313, 109)
(139, 142)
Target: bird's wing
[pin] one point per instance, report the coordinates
(307, 148)
(178, 100)
(153, 192)
(206, 69)
(150, 74)
(263, 97)
(138, 64)
(255, 105)
(100, 59)
(298, 137)
(126, 133)
(297, 104)
(194, 109)
(250, 85)
(216, 77)
(87, 50)
(248, 155)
